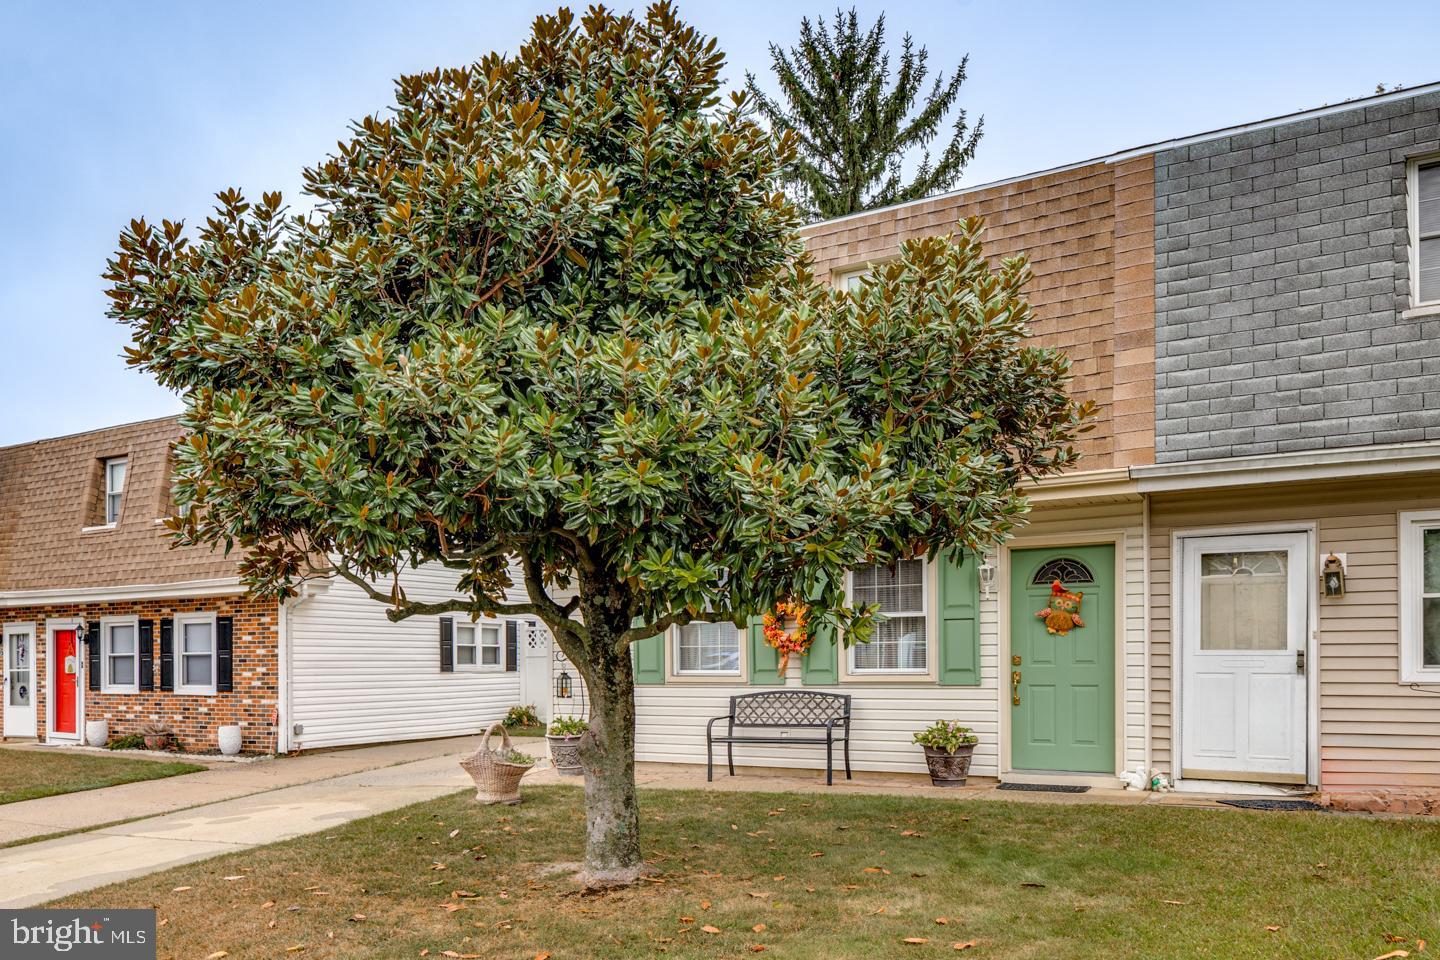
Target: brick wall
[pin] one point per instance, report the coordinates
(1281, 273)
(195, 718)
(1088, 234)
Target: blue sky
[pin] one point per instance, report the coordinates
(114, 110)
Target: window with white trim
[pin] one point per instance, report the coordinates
(852, 280)
(707, 649)
(114, 488)
(195, 653)
(1420, 597)
(900, 643)
(1425, 230)
(477, 645)
(120, 653)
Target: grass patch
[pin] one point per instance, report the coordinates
(30, 774)
(828, 877)
(526, 731)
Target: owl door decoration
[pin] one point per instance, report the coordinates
(1063, 614)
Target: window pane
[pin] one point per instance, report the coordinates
(17, 686)
(197, 638)
(115, 482)
(1430, 651)
(122, 671)
(898, 644)
(465, 645)
(1244, 601)
(708, 648)
(196, 671)
(898, 588)
(490, 656)
(112, 508)
(1430, 270)
(1429, 200)
(122, 639)
(1430, 549)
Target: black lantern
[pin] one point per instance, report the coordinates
(563, 689)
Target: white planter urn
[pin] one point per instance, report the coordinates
(230, 740)
(97, 732)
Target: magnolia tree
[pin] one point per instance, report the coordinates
(549, 314)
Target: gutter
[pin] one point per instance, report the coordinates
(1396, 459)
(226, 586)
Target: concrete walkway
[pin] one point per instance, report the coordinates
(243, 805)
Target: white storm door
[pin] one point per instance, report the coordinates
(1244, 627)
(535, 668)
(19, 694)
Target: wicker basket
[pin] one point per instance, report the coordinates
(496, 781)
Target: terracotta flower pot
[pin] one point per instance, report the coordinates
(565, 754)
(949, 769)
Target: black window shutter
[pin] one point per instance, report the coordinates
(92, 656)
(512, 646)
(167, 654)
(147, 654)
(447, 645)
(224, 654)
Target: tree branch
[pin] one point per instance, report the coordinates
(680, 619)
(555, 616)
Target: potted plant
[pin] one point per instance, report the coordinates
(564, 736)
(948, 749)
(158, 736)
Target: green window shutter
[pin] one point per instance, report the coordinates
(820, 667)
(649, 658)
(764, 659)
(959, 618)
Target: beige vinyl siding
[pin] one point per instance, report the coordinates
(1374, 731)
(670, 720)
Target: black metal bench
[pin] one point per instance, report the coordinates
(783, 709)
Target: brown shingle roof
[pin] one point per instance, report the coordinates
(52, 490)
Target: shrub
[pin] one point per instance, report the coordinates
(522, 717)
(947, 735)
(130, 741)
(518, 758)
(568, 726)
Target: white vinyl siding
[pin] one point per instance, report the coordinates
(356, 677)
(1425, 224)
(195, 653)
(707, 649)
(120, 648)
(114, 488)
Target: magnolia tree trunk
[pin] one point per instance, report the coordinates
(607, 752)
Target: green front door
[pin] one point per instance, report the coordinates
(1065, 717)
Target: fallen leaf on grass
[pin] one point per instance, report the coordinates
(460, 956)
(451, 907)
(238, 876)
(817, 853)
(1394, 938)
(1393, 954)
(267, 904)
(356, 918)
(454, 833)
(963, 946)
(1272, 929)
(911, 833)
(709, 929)
(1034, 886)
(758, 928)
(1174, 903)
(272, 925)
(542, 956)
(295, 948)
(218, 954)
(877, 911)
(181, 889)
(757, 948)
(758, 895)
(704, 904)
(687, 919)
(942, 920)
(916, 940)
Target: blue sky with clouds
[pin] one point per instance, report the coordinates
(114, 110)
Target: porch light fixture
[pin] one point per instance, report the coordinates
(1333, 576)
(563, 688)
(987, 578)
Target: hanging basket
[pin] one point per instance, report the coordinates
(496, 779)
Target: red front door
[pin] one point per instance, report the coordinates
(65, 681)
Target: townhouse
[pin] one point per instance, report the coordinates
(1253, 536)
(102, 619)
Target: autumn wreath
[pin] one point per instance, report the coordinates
(796, 641)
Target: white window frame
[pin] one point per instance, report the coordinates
(1413, 524)
(110, 464)
(178, 653)
(477, 630)
(926, 612)
(674, 651)
(106, 625)
(1412, 205)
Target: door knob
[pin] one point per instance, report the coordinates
(1300, 661)
(1015, 688)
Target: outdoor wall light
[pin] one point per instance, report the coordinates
(987, 578)
(1333, 576)
(563, 689)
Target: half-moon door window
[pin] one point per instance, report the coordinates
(1067, 570)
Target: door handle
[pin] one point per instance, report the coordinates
(1300, 661)
(1015, 687)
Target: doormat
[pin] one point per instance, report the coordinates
(1045, 787)
(1273, 804)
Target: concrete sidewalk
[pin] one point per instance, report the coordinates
(285, 798)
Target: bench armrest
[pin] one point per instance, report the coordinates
(710, 727)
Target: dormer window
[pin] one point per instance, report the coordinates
(114, 489)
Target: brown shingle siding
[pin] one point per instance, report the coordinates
(51, 496)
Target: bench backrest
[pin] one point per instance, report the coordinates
(789, 708)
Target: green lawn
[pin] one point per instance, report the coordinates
(824, 877)
(28, 774)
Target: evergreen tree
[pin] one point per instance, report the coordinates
(855, 130)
